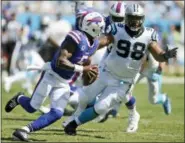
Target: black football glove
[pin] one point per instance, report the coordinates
(172, 53)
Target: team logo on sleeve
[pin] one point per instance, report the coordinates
(83, 48)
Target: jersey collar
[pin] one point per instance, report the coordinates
(134, 34)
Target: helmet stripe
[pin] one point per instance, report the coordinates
(118, 7)
(95, 19)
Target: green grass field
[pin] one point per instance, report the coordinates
(154, 125)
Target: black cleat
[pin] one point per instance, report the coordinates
(20, 135)
(70, 129)
(111, 112)
(12, 103)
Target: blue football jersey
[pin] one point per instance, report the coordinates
(82, 51)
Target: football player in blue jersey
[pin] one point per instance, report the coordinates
(54, 82)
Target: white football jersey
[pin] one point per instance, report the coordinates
(127, 53)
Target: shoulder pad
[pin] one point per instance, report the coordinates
(75, 35)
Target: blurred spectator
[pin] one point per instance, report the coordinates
(174, 36)
(11, 34)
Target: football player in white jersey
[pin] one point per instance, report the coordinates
(152, 70)
(131, 43)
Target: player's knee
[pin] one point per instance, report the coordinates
(56, 113)
(101, 108)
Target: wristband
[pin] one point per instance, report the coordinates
(78, 68)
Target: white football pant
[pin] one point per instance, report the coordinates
(53, 86)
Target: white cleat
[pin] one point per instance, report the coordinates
(133, 122)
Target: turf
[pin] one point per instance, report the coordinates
(154, 125)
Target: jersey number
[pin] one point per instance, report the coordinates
(136, 54)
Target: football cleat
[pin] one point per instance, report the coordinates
(20, 134)
(70, 129)
(12, 103)
(167, 106)
(103, 118)
(133, 122)
(66, 122)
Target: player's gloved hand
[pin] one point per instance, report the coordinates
(172, 53)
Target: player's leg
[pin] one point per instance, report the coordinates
(155, 96)
(86, 96)
(74, 99)
(90, 113)
(38, 96)
(59, 97)
(108, 99)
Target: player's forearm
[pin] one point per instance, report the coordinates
(65, 64)
(161, 57)
(159, 54)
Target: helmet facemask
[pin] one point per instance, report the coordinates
(117, 19)
(134, 22)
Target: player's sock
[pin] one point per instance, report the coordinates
(131, 103)
(160, 98)
(26, 128)
(24, 101)
(86, 116)
(45, 120)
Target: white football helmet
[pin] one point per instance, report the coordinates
(134, 17)
(93, 24)
(80, 14)
(117, 11)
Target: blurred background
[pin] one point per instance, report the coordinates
(29, 28)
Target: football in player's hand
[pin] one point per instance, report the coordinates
(90, 76)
